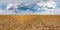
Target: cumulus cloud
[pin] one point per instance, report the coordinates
(47, 5)
(10, 6)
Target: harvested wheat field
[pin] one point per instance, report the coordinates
(29, 22)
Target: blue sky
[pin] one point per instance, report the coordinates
(30, 7)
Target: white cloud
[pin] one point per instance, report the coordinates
(49, 4)
(10, 6)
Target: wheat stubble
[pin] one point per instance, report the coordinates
(29, 22)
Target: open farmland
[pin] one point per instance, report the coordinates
(29, 22)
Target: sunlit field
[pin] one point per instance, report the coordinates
(29, 22)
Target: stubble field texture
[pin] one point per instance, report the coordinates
(29, 22)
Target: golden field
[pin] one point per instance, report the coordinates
(29, 22)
